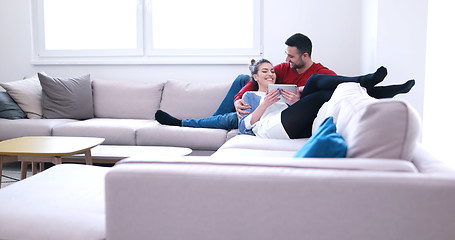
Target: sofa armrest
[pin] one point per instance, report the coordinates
(207, 201)
(427, 163)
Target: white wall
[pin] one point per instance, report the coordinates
(343, 35)
(402, 44)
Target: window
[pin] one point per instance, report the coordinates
(85, 28)
(438, 113)
(146, 31)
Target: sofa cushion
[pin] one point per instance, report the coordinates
(29, 127)
(192, 100)
(119, 99)
(253, 142)
(27, 94)
(234, 153)
(115, 131)
(373, 128)
(70, 196)
(325, 143)
(67, 97)
(257, 157)
(9, 108)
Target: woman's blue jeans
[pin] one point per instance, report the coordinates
(225, 116)
(226, 121)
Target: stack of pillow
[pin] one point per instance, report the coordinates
(370, 128)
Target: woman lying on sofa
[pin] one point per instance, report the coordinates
(270, 117)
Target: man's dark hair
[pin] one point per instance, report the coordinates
(301, 42)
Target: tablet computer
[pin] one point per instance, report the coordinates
(289, 87)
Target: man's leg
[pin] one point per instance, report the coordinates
(226, 121)
(227, 105)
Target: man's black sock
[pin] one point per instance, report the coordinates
(390, 91)
(166, 119)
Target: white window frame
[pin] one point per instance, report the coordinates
(144, 53)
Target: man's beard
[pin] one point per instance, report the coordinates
(297, 66)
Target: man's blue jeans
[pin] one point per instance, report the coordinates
(225, 116)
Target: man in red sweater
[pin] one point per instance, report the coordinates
(296, 70)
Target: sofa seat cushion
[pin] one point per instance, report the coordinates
(234, 153)
(121, 99)
(64, 202)
(29, 127)
(253, 142)
(194, 138)
(260, 158)
(372, 128)
(285, 159)
(192, 100)
(115, 131)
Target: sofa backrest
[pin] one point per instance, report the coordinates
(192, 100)
(121, 99)
(372, 128)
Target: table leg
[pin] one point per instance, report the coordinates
(58, 160)
(23, 170)
(41, 166)
(88, 157)
(34, 168)
(1, 170)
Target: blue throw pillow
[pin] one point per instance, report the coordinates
(9, 108)
(324, 143)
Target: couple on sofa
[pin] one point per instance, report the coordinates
(260, 113)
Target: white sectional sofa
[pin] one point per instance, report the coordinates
(387, 187)
(124, 114)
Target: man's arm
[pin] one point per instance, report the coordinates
(239, 104)
(326, 71)
(249, 86)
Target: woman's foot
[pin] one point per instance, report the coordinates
(166, 119)
(392, 90)
(370, 80)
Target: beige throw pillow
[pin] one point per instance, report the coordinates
(27, 94)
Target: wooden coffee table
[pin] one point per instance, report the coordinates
(39, 149)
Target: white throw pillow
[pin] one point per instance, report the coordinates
(27, 94)
(374, 128)
(192, 100)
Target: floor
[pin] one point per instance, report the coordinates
(12, 173)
